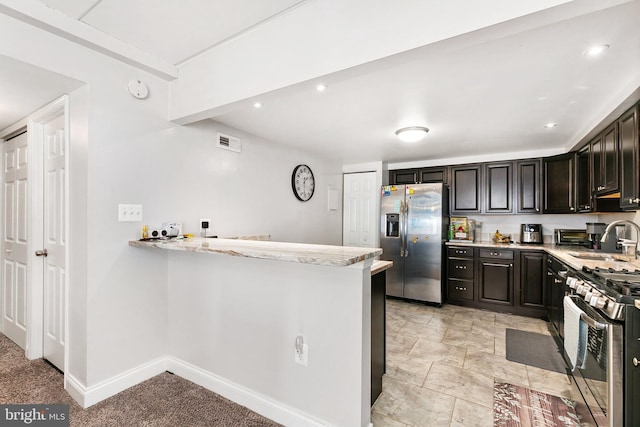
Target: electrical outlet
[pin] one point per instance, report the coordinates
(130, 213)
(205, 224)
(302, 357)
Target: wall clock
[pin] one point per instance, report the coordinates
(302, 182)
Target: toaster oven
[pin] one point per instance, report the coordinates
(575, 237)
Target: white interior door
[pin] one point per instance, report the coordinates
(15, 239)
(54, 241)
(360, 216)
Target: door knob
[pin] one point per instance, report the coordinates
(42, 252)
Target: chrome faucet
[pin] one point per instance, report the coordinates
(605, 235)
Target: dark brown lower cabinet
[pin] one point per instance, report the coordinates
(378, 331)
(495, 281)
(533, 294)
(503, 280)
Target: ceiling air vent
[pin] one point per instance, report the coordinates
(229, 142)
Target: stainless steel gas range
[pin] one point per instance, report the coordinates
(610, 378)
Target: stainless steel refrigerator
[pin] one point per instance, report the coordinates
(414, 222)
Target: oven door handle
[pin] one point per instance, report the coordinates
(593, 323)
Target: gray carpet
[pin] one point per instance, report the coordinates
(164, 400)
(534, 349)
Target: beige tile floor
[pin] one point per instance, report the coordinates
(442, 363)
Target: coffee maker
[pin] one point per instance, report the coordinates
(595, 231)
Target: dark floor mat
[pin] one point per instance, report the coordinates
(534, 349)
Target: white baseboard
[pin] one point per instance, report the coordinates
(75, 389)
(264, 406)
(276, 411)
(87, 396)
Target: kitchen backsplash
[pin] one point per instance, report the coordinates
(486, 225)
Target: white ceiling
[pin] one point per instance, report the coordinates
(478, 97)
(172, 30)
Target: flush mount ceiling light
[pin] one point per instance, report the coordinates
(594, 51)
(257, 105)
(412, 133)
(550, 125)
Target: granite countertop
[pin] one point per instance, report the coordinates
(280, 251)
(565, 254)
(379, 266)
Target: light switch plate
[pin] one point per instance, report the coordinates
(130, 213)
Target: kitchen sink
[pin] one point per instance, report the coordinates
(596, 257)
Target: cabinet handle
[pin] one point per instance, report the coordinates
(461, 267)
(636, 362)
(549, 273)
(636, 200)
(537, 210)
(572, 208)
(557, 281)
(510, 265)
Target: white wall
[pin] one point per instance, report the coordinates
(125, 151)
(243, 193)
(233, 325)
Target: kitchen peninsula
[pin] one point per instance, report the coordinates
(235, 308)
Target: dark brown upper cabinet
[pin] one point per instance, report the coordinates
(528, 181)
(434, 174)
(629, 138)
(419, 175)
(403, 176)
(559, 184)
(498, 187)
(605, 154)
(466, 183)
(584, 178)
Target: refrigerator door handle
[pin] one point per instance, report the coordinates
(401, 225)
(406, 228)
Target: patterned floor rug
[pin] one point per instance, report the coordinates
(516, 406)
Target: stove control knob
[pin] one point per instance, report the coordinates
(601, 303)
(584, 290)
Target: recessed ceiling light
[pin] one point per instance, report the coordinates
(596, 50)
(321, 87)
(257, 105)
(412, 133)
(550, 125)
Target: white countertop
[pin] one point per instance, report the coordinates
(280, 251)
(564, 253)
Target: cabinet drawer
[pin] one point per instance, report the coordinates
(457, 251)
(460, 268)
(496, 253)
(461, 289)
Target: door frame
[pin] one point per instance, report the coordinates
(35, 124)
